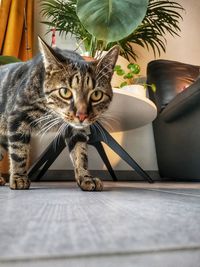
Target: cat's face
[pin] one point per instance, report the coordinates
(78, 91)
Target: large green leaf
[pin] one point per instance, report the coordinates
(111, 20)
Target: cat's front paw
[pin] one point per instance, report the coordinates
(91, 184)
(20, 183)
(2, 181)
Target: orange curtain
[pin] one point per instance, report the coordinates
(16, 28)
(16, 36)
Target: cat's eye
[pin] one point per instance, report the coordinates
(65, 93)
(96, 96)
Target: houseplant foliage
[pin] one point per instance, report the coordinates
(111, 20)
(132, 76)
(162, 17)
(133, 69)
(8, 59)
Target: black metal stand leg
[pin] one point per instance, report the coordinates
(50, 161)
(105, 137)
(40, 161)
(126, 157)
(46, 159)
(104, 157)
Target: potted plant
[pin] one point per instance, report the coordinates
(158, 18)
(132, 80)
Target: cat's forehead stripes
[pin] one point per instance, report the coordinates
(88, 82)
(75, 81)
(82, 82)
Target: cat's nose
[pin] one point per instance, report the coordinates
(81, 116)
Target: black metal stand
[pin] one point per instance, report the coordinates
(97, 135)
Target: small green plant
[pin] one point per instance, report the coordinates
(132, 75)
(8, 59)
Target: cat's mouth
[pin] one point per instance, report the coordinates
(79, 125)
(76, 123)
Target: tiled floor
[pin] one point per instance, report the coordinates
(128, 224)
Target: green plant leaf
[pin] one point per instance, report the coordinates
(111, 20)
(145, 86)
(153, 87)
(150, 86)
(120, 72)
(162, 17)
(135, 68)
(8, 59)
(123, 84)
(117, 67)
(128, 76)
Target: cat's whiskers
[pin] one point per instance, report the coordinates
(46, 129)
(48, 114)
(107, 65)
(97, 77)
(36, 121)
(101, 132)
(109, 116)
(105, 123)
(108, 120)
(59, 134)
(49, 122)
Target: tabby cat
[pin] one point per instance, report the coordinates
(58, 88)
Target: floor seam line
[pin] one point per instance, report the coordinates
(173, 193)
(110, 254)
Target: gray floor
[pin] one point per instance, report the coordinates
(129, 224)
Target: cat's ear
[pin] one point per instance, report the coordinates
(49, 56)
(107, 63)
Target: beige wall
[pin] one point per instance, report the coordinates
(139, 142)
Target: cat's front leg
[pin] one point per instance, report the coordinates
(78, 154)
(2, 151)
(18, 147)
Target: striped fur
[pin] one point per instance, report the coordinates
(52, 91)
